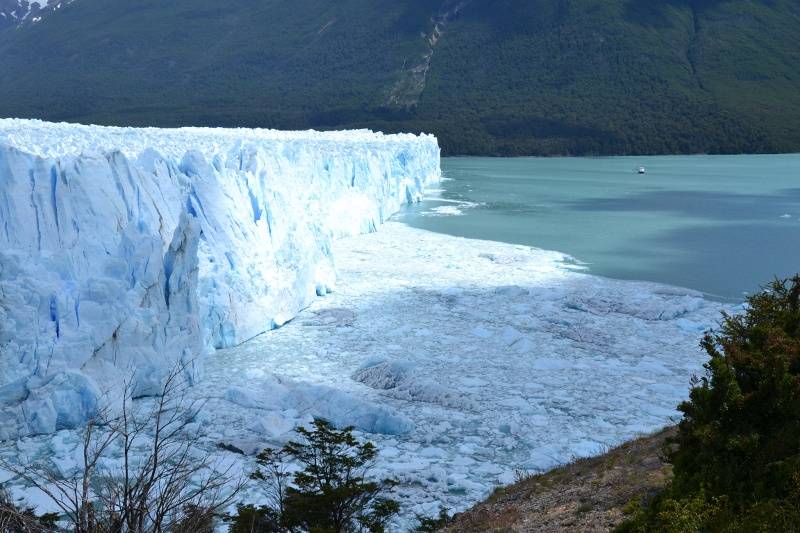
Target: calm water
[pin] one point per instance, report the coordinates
(721, 224)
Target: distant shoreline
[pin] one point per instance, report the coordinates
(607, 156)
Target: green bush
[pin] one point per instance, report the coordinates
(428, 524)
(331, 494)
(737, 461)
(252, 519)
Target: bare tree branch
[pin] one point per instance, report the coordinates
(161, 485)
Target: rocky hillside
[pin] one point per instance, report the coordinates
(494, 77)
(589, 495)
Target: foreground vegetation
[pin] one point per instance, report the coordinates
(330, 494)
(143, 472)
(737, 458)
(140, 471)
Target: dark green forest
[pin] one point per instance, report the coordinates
(490, 77)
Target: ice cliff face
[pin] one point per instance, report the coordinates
(124, 251)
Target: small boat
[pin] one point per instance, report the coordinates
(642, 170)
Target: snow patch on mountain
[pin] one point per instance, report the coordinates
(128, 249)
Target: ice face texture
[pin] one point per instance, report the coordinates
(124, 251)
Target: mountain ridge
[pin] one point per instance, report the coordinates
(488, 77)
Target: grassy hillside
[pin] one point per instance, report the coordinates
(487, 76)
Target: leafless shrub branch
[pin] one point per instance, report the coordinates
(162, 482)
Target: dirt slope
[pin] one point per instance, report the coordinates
(588, 495)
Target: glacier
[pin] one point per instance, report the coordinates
(466, 362)
(124, 251)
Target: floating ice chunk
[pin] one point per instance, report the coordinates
(473, 382)
(380, 374)
(432, 452)
(586, 448)
(452, 292)
(481, 332)
(276, 424)
(338, 407)
(244, 397)
(444, 210)
(511, 291)
(523, 345)
(510, 335)
(345, 410)
(691, 325)
(515, 403)
(641, 300)
(550, 363)
(456, 208)
(400, 380)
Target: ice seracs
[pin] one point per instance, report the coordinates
(132, 249)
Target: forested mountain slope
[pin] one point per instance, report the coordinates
(20, 12)
(493, 77)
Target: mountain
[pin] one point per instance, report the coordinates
(497, 77)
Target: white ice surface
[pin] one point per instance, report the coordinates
(449, 208)
(127, 249)
(465, 361)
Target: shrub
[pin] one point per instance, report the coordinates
(252, 519)
(427, 524)
(331, 493)
(737, 461)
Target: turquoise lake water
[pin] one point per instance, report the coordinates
(724, 225)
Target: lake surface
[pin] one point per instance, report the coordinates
(724, 225)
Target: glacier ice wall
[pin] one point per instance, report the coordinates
(124, 251)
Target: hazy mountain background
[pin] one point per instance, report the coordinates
(496, 77)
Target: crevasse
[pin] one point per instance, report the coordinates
(124, 251)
